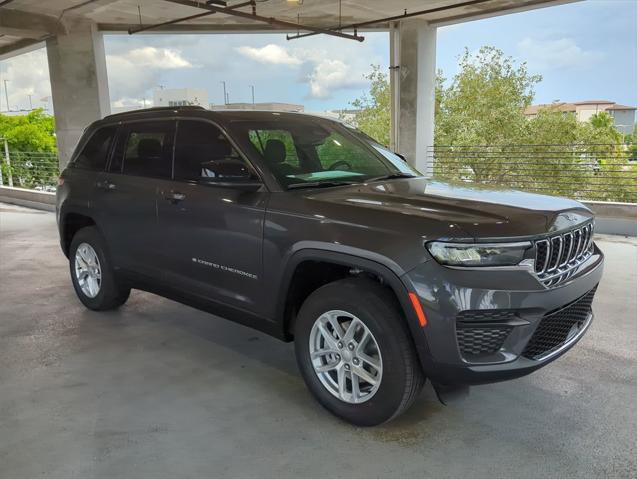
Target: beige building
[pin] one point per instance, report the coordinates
(270, 106)
(180, 97)
(624, 116)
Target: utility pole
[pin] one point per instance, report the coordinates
(6, 94)
(30, 102)
(252, 88)
(225, 95)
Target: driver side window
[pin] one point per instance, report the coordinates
(202, 151)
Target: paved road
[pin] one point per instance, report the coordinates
(160, 390)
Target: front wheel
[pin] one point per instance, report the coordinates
(355, 353)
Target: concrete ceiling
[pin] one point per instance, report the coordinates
(27, 22)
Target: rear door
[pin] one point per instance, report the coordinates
(126, 194)
(211, 234)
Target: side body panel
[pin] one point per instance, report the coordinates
(211, 242)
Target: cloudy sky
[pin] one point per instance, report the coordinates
(584, 50)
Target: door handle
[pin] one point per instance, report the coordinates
(175, 197)
(106, 185)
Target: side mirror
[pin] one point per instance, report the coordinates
(228, 172)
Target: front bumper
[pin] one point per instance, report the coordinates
(502, 309)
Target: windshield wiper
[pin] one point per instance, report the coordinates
(319, 184)
(392, 176)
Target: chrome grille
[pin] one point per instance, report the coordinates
(557, 257)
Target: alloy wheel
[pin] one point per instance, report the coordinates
(88, 271)
(345, 356)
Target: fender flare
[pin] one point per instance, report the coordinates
(64, 212)
(391, 275)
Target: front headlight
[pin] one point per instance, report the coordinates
(476, 254)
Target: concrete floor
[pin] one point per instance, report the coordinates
(160, 390)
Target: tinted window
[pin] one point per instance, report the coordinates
(146, 150)
(95, 152)
(203, 151)
(310, 150)
(337, 152)
(262, 138)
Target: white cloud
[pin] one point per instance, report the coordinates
(562, 53)
(270, 53)
(133, 73)
(319, 69)
(160, 58)
(27, 74)
(329, 75)
(316, 71)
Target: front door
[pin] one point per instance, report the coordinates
(211, 233)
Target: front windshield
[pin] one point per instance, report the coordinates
(311, 151)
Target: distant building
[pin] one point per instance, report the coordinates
(346, 115)
(124, 108)
(272, 106)
(180, 97)
(624, 116)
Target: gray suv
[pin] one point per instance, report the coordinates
(312, 232)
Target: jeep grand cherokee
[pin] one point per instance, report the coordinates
(310, 231)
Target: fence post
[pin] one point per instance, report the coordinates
(6, 154)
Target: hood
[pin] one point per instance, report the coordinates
(478, 212)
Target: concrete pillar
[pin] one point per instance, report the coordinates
(79, 85)
(413, 84)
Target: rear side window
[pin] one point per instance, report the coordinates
(95, 153)
(145, 149)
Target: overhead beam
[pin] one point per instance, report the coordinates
(20, 47)
(402, 16)
(497, 12)
(156, 26)
(28, 25)
(274, 22)
(87, 6)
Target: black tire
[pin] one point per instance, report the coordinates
(377, 308)
(112, 293)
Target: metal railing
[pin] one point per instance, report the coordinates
(28, 169)
(583, 172)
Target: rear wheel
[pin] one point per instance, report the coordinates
(355, 353)
(92, 273)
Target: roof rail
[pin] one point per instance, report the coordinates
(154, 109)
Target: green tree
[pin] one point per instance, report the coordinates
(480, 114)
(602, 120)
(32, 149)
(33, 132)
(374, 115)
(485, 101)
(483, 135)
